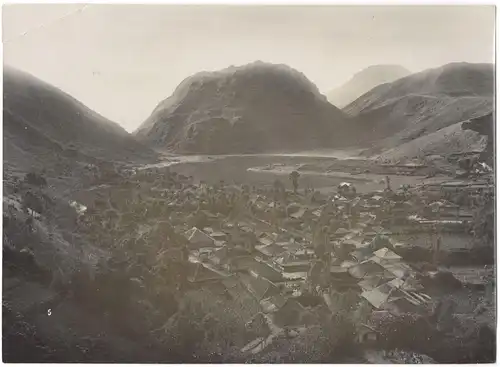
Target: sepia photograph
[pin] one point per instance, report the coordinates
(249, 183)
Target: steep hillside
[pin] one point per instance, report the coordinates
(43, 124)
(485, 127)
(249, 109)
(451, 139)
(364, 81)
(423, 103)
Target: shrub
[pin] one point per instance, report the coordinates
(344, 323)
(483, 226)
(209, 327)
(35, 179)
(33, 202)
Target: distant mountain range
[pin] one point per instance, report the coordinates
(255, 108)
(263, 107)
(364, 81)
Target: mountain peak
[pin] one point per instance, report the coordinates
(363, 81)
(251, 108)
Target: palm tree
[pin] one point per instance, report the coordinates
(294, 177)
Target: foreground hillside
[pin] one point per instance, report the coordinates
(43, 125)
(249, 109)
(424, 103)
(364, 81)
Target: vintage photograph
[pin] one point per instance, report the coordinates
(248, 183)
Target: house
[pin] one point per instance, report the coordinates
(341, 232)
(264, 240)
(296, 266)
(299, 214)
(262, 269)
(258, 286)
(369, 268)
(370, 283)
(219, 256)
(403, 305)
(291, 246)
(393, 297)
(219, 236)
(234, 287)
(340, 278)
(386, 254)
(224, 254)
(208, 230)
(378, 296)
(241, 263)
(304, 254)
(396, 269)
(375, 199)
(199, 273)
(260, 205)
(199, 239)
(357, 240)
(295, 276)
(317, 213)
(270, 251)
(245, 227)
(273, 303)
(361, 254)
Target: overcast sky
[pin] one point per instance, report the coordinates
(121, 60)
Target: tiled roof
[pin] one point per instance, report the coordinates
(199, 238)
(258, 286)
(270, 250)
(202, 272)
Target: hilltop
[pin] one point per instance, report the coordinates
(365, 80)
(255, 108)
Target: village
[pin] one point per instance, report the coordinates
(290, 254)
(271, 262)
